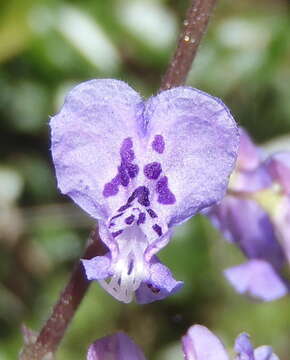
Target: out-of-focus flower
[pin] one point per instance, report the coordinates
(199, 343)
(245, 350)
(255, 216)
(115, 347)
(140, 168)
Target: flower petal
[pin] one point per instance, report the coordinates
(282, 223)
(251, 181)
(249, 155)
(244, 348)
(195, 138)
(159, 285)
(199, 343)
(279, 167)
(86, 138)
(265, 353)
(97, 268)
(115, 347)
(258, 279)
(245, 223)
(250, 174)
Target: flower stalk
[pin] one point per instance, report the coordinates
(53, 330)
(194, 27)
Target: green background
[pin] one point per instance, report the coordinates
(48, 46)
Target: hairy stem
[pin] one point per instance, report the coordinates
(53, 330)
(194, 26)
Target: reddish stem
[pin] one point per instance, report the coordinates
(194, 27)
(53, 330)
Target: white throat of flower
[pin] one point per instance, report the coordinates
(130, 268)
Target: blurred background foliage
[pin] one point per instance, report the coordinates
(46, 47)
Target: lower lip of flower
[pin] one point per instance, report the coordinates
(129, 268)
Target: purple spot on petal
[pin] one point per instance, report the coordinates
(126, 152)
(132, 170)
(126, 170)
(124, 207)
(124, 178)
(110, 189)
(165, 196)
(133, 196)
(141, 218)
(129, 220)
(117, 233)
(158, 144)
(116, 216)
(152, 170)
(143, 195)
(157, 229)
(152, 213)
(154, 289)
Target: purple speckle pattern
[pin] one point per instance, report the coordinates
(132, 170)
(116, 216)
(130, 219)
(126, 152)
(157, 229)
(153, 170)
(152, 213)
(126, 170)
(123, 175)
(117, 233)
(158, 144)
(165, 196)
(154, 289)
(124, 207)
(141, 218)
(143, 195)
(110, 189)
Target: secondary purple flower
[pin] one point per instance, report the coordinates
(140, 168)
(245, 350)
(199, 343)
(253, 215)
(115, 347)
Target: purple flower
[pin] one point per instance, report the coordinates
(245, 350)
(255, 216)
(115, 347)
(199, 343)
(140, 168)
